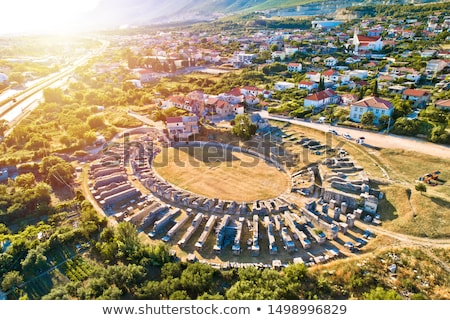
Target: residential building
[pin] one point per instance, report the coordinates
(434, 66)
(182, 127)
(294, 67)
(308, 85)
(419, 97)
(279, 54)
(290, 50)
(348, 99)
(321, 99)
(376, 105)
(331, 75)
(313, 76)
(363, 43)
(330, 62)
(442, 104)
(283, 85)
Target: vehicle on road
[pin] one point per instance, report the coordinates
(333, 132)
(347, 136)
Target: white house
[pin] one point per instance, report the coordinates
(434, 66)
(361, 42)
(182, 127)
(279, 54)
(283, 85)
(294, 67)
(250, 90)
(308, 85)
(360, 74)
(330, 62)
(321, 99)
(331, 75)
(375, 105)
(313, 76)
(290, 50)
(145, 75)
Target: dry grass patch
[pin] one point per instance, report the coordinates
(218, 174)
(399, 207)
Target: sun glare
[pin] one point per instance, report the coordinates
(54, 16)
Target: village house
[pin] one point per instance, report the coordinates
(419, 97)
(331, 75)
(321, 99)
(366, 43)
(234, 96)
(308, 85)
(289, 50)
(348, 99)
(330, 62)
(145, 75)
(283, 85)
(313, 76)
(294, 67)
(442, 104)
(279, 54)
(434, 66)
(375, 105)
(181, 128)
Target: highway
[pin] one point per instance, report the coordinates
(16, 106)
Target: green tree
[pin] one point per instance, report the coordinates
(421, 187)
(380, 293)
(35, 262)
(368, 118)
(197, 278)
(57, 171)
(25, 181)
(383, 121)
(96, 121)
(321, 84)
(243, 127)
(55, 95)
(16, 77)
(11, 279)
(375, 88)
(90, 137)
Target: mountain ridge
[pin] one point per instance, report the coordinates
(114, 13)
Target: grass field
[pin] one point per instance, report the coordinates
(218, 174)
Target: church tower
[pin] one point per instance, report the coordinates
(356, 40)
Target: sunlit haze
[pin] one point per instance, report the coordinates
(29, 16)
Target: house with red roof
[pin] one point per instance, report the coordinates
(419, 97)
(442, 104)
(375, 105)
(321, 99)
(181, 128)
(308, 85)
(366, 43)
(294, 67)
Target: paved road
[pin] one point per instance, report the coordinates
(374, 139)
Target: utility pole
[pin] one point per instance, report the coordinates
(389, 124)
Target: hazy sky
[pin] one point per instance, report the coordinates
(42, 15)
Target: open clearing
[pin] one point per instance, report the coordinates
(220, 174)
